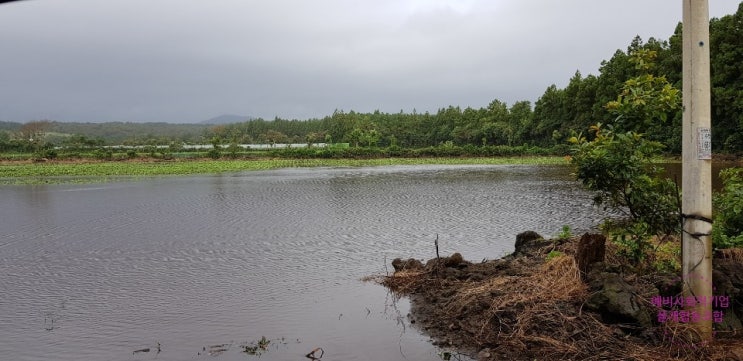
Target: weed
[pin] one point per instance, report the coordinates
(565, 233)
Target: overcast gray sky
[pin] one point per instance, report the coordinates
(189, 60)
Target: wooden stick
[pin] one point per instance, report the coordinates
(436, 242)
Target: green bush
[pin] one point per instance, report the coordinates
(233, 150)
(620, 168)
(103, 154)
(727, 229)
(70, 155)
(214, 153)
(45, 153)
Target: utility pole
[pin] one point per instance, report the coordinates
(696, 249)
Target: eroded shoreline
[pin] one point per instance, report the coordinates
(537, 303)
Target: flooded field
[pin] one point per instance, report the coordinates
(207, 266)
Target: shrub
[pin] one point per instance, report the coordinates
(214, 153)
(727, 230)
(70, 155)
(620, 168)
(667, 257)
(233, 149)
(634, 241)
(45, 153)
(103, 154)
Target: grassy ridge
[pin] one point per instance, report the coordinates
(53, 172)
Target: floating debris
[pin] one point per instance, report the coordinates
(49, 318)
(313, 354)
(216, 350)
(141, 350)
(49, 326)
(144, 350)
(257, 348)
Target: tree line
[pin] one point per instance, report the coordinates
(558, 114)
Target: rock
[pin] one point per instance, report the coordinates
(724, 276)
(527, 242)
(616, 301)
(591, 249)
(669, 285)
(409, 264)
(733, 270)
(525, 237)
(454, 260)
(484, 355)
(727, 277)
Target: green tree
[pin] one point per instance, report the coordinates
(580, 97)
(645, 99)
(443, 124)
(233, 149)
(216, 150)
(314, 137)
(355, 137)
(371, 138)
(80, 142)
(619, 165)
(612, 75)
(496, 126)
(550, 112)
(274, 137)
(726, 51)
(338, 125)
(521, 117)
(4, 139)
(175, 147)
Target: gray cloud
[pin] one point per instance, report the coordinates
(188, 60)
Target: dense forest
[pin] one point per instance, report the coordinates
(557, 115)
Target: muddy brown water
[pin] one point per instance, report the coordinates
(674, 171)
(96, 272)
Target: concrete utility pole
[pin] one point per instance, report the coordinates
(696, 168)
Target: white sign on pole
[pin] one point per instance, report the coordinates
(704, 143)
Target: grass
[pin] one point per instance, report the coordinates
(101, 171)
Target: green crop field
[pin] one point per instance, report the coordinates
(61, 172)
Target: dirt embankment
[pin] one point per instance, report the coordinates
(570, 299)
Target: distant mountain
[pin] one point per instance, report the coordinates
(227, 119)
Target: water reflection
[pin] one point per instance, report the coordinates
(227, 259)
